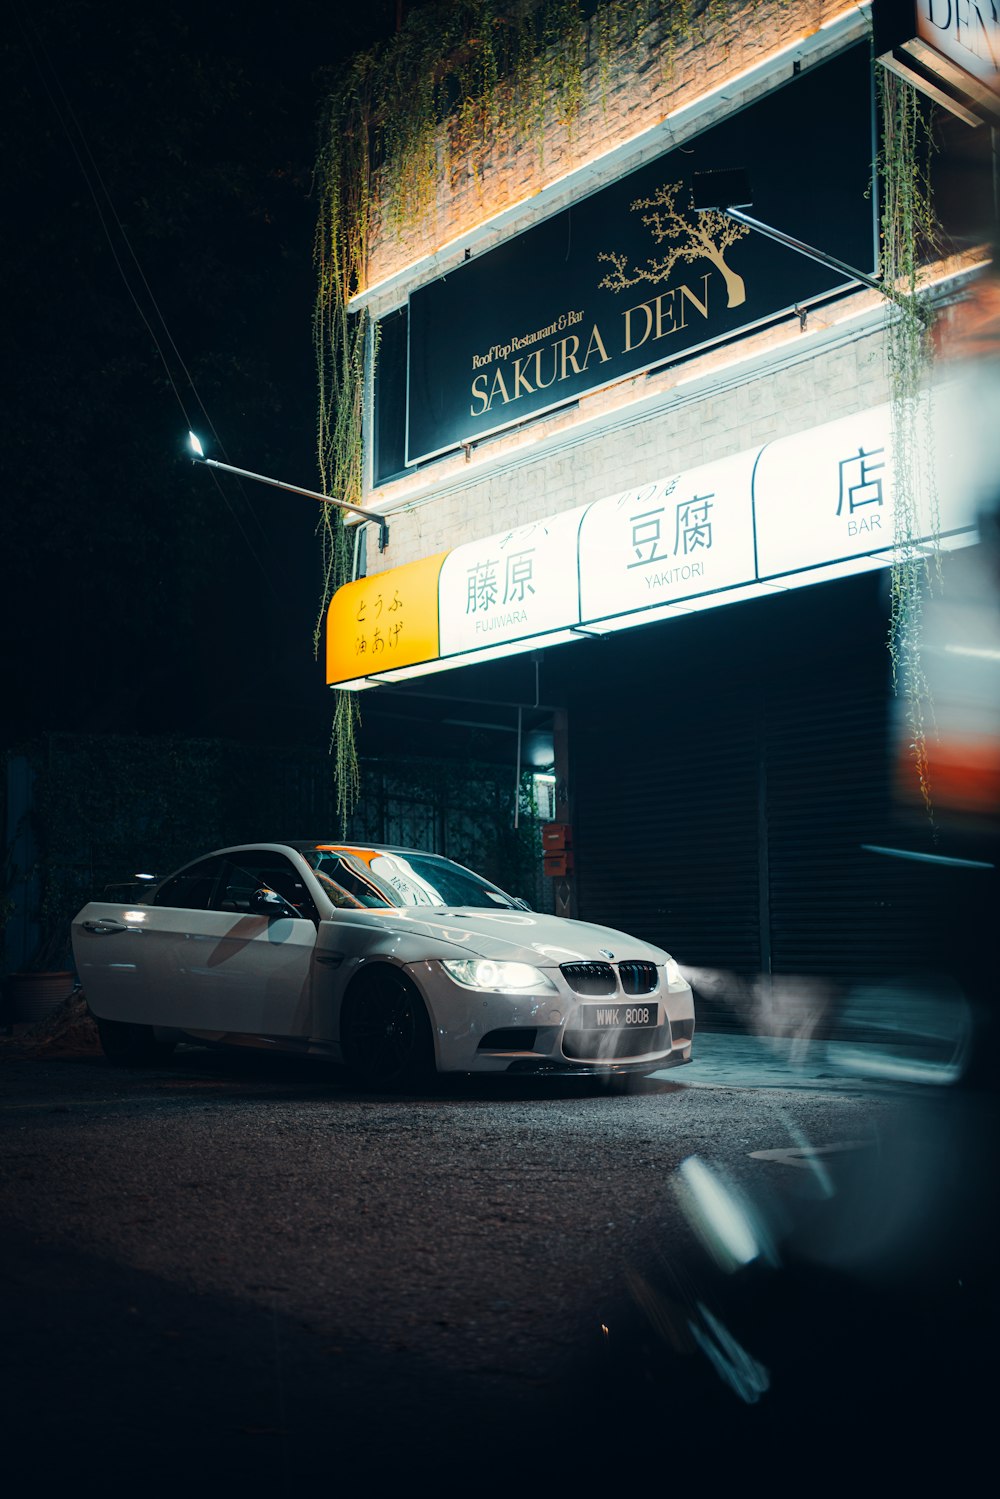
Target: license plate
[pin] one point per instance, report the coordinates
(618, 1017)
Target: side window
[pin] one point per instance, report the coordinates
(192, 889)
(245, 873)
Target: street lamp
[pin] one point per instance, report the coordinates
(729, 192)
(198, 456)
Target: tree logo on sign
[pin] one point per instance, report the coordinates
(688, 237)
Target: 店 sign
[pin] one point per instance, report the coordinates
(827, 495)
(772, 516)
(846, 510)
(632, 276)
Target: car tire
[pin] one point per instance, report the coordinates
(129, 1045)
(384, 1031)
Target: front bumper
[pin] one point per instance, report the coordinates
(485, 1031)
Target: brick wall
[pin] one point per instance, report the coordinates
(737, 409)
(770, 383)
(649, 82)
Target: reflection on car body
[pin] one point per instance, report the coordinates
(394, 961)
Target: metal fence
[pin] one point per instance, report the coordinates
(85, 813)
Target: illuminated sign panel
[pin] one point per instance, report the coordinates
(824, 495)
(688, 534)
(520, 583)
(827, 494)
(632, 276)
(800, 510)
(950, 49)
(387, 621)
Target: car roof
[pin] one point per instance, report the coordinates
(334, 845)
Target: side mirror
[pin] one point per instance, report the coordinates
(266, 902)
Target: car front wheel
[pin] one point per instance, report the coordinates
(128, 1045)
(385, 1032)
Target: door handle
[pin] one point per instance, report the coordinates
(101, 928)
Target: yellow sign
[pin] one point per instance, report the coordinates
(376, 624)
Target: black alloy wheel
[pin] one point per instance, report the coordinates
(385, 1032)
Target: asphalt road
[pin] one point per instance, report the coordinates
(237, 1272)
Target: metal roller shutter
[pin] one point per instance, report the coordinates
(839, 909)
(732, 824)
(666, 832)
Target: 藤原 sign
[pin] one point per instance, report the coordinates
(520, 583)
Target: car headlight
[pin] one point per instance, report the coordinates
(485, 973)
(674, 975)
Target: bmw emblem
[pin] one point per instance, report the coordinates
(605, 952)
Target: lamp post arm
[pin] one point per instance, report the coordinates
(796, 244)
(310, 494)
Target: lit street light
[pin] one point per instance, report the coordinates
(198, 455)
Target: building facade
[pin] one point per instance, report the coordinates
(640, 472)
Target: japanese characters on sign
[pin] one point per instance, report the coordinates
(373, 634)
(819, 498)
(827, 494)
(866, 469)
(387, 621)
(686, 535)
(520, 583)
(824, 494)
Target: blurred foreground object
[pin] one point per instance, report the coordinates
(959, 650)
(960, 635)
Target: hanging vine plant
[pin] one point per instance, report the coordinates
(426, 108)
(909, 235)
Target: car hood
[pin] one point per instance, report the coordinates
(522, 936)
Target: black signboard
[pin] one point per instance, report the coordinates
(633, 277)
(949, 49)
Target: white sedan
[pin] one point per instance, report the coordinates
(392, 961)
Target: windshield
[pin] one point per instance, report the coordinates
(372, 877)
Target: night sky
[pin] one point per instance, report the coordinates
(158, 274)
(158, 271)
